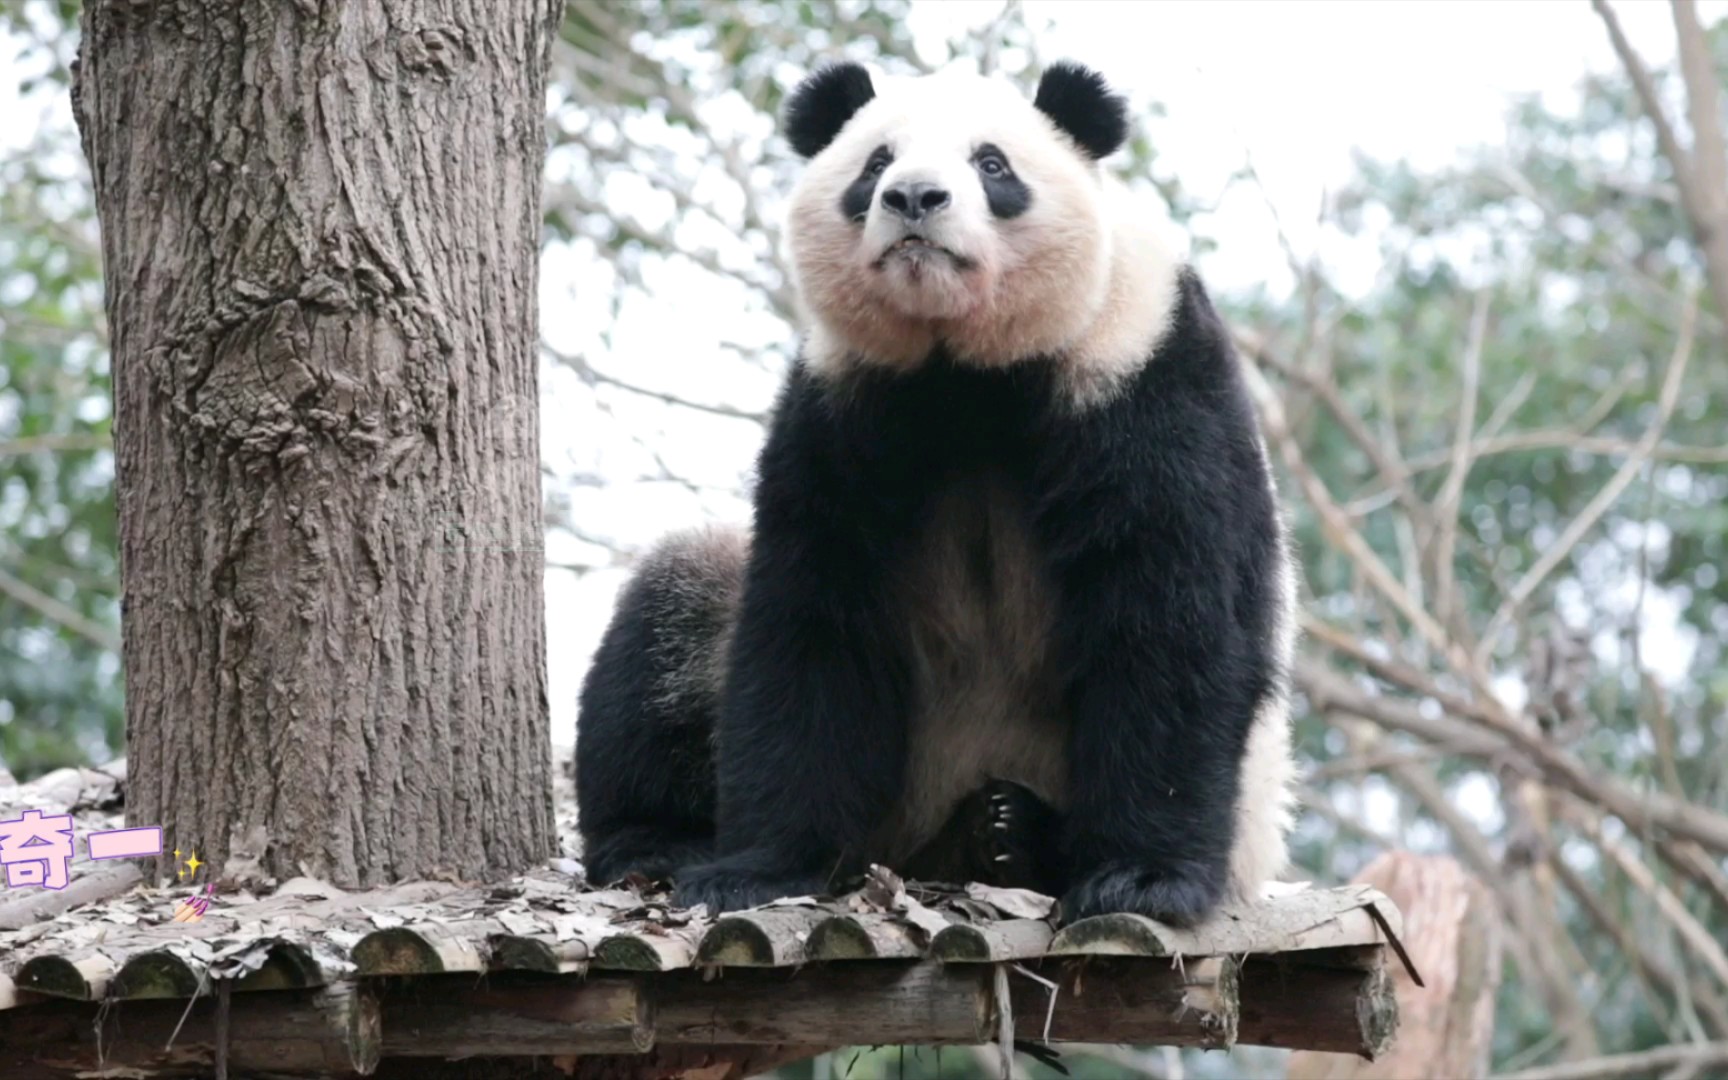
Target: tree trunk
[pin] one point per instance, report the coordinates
(320, 228)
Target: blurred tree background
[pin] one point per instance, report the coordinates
(1507, 462)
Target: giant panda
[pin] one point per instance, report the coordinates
(1017, 602)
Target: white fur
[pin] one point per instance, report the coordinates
(1266, 798)
(1083, 273)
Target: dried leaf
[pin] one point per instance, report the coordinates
(384, 920)
(1014, 903)
(925, 919)
(343, 939)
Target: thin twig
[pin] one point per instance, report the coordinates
(1643, 1063)
(1586, 520)
(1449, 604)
(57, 612)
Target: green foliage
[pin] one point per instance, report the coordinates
(59, 579)
(1572, 232)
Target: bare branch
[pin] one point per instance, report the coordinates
(1700, 943)
(1662, 980)
(1708, 208)
(33, 444)
(1643, 1063)
(595, 377)
(1701, 174)
(1641, 811)
(57, 612)
(1450, 606)
(1645, 84)
(1586, 520)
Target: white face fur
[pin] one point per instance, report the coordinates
(1077, 271)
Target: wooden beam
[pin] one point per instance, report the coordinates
(1335, 1000)
(1453, 934)
(1330, 999)
(333, 1031)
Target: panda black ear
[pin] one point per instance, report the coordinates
(1082, 104)
(823, 102)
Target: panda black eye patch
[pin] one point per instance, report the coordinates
(855, 200)
(1006, 193)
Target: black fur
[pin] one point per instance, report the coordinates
(1158, 537)
(820, 105)
(1007, 194)
(855, 200)
(1081, 104)
(644, 755)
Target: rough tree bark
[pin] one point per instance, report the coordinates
(320, 227)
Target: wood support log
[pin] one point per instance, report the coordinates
(1340, 1001)
(515, 1016)
(1016, 939)
(1452, 932)
(681, 1023)
(773, 937)
(26, 907)
(848, 937)
(329, 1032)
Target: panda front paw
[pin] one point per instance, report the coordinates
(733, 884)
(1182, 899)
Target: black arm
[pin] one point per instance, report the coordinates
(1161, 531)
(812, 732)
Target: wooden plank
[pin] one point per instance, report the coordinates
(520, 952)
(27, 907)
(1317, 919)
(1332, 999)
(287, 966)
(645, 952)
(331, 1031)
(1015, 939)
(521, 1016)
(160, 973)
(1453, 935)
(769, 937)
(1140, 1002)
(1339, 1001)
(82, 976)
(843, 1004)
(862, 937)
(427, 949)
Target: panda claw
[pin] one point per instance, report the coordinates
(1002, 858)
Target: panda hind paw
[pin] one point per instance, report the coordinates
(724, 886)
(1175, 900)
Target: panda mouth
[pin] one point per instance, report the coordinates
(916, 249)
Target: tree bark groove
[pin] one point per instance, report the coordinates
(320, 227)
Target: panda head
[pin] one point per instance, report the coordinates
(950, 210)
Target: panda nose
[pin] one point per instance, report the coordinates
(914, 201)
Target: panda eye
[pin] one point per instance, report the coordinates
(993, 165)
(879, 161)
